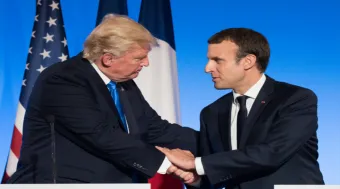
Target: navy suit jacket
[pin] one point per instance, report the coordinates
(91, 144)
(278, 144)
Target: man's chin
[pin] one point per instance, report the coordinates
(134, 75)
(220, 87)
(217, 86)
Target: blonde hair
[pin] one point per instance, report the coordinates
(116, 34)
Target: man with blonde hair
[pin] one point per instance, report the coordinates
(105, 131)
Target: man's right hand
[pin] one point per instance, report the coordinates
(185, 176)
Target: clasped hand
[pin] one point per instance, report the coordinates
(183, 164)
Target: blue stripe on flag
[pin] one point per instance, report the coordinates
(156, 16)
(111, 6)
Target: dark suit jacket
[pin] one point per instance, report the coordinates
(278, 144)
(91, 144)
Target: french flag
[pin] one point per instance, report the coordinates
(159, 82)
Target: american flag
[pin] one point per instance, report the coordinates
(48, 46)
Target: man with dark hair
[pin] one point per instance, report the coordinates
(261, 134)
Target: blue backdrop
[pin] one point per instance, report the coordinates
(304, 38)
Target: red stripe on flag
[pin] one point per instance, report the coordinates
(16, 142)
(4, 178)
(165, 182)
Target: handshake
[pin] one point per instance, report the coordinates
(183, 165)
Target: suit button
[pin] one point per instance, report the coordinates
(223, 179)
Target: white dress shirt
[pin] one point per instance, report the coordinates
(166, 163)
(252, 94)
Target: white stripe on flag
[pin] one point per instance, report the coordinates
(19, 121)
(12, 163)
(159, 82)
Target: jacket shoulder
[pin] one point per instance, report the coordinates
(70, 71)
(214, 106)
(288, 90)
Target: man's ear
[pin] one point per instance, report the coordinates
(107, 59)
(249, 61)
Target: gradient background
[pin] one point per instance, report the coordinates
(303, 34)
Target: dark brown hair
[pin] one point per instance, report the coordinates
(248, 41)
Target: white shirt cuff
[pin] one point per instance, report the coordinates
(165, 166)
(199, 166)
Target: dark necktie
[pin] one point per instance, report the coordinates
(115, 96)
(241, 117)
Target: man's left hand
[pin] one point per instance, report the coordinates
(185, 176)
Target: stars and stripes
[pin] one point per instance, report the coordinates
(48, 46)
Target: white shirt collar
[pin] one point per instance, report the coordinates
(254, 90)
(103, 76)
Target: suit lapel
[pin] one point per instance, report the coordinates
(127, 108)
(224, 122)
(261, 101)
(99, 84)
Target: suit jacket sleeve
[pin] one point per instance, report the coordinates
(79, 118)
(295, 124)
(204, 149)
(165, 134)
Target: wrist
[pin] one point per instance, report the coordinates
(192, 165)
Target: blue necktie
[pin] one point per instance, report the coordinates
(115, 96)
